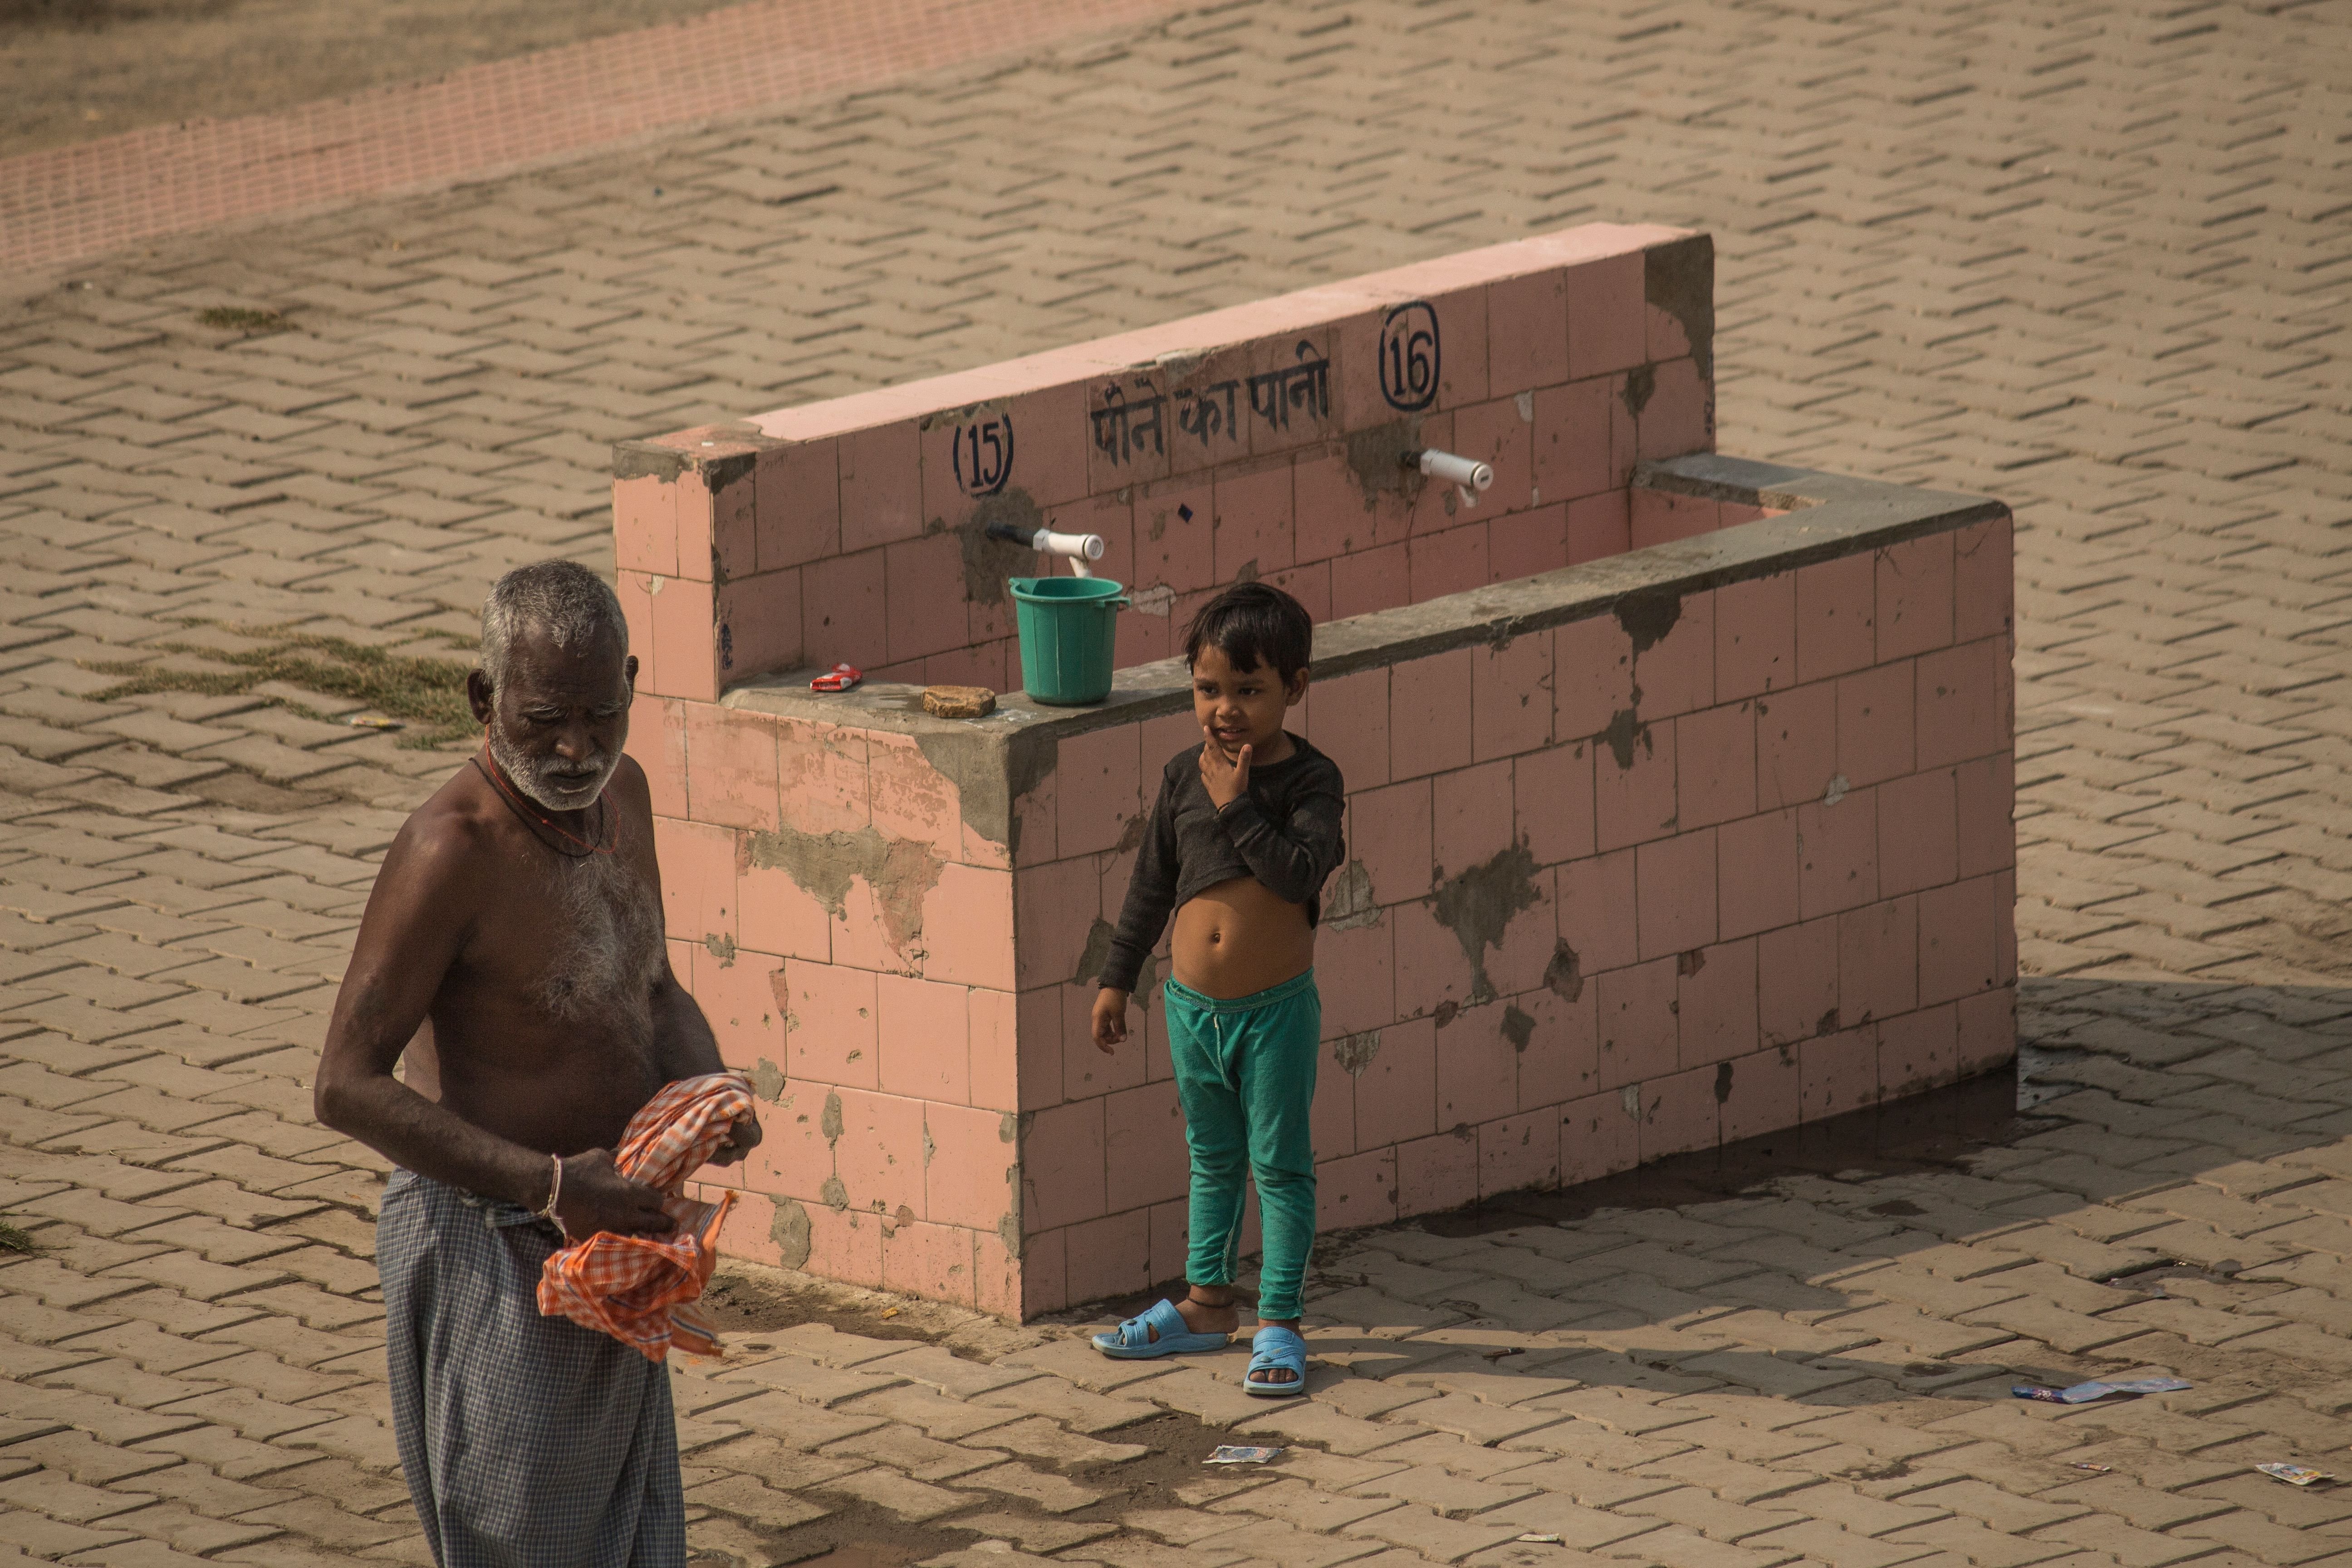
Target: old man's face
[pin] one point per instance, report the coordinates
(558, 724)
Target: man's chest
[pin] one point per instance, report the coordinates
(573, 932)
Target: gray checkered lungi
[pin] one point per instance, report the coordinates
(529, 1442)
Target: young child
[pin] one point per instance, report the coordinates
(1244, 831)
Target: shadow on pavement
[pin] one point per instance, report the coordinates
(2155, 1185)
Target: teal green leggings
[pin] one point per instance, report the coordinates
(1246, 1076)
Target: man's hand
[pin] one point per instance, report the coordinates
(597, 1197)
(1110, 1019)
(1224, 781)
(741, 1139)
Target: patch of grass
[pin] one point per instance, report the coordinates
(428, 694)
(14, 1240)
(237, 318)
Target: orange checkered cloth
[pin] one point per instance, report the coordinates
(641, 1289)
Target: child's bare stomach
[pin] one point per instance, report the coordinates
(1237, 939)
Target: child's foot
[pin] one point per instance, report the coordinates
(1224, 1318)
(1159, 1330)
(1210, 1317)
(1277, 1363)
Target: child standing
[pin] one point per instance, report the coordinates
(1245, 828)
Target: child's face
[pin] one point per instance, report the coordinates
(1240, 708)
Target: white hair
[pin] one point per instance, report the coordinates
(562, 598)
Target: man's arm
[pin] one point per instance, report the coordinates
(417, 921)
(688, 1049)
(682, 1035)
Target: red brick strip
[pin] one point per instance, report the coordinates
(75, 202)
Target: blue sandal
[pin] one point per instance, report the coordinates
(1132, 1340)
(1276, 1347)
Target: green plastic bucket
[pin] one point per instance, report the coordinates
(1069, 625)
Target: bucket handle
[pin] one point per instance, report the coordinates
(1124, 601)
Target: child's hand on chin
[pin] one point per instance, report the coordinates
(1224, 779)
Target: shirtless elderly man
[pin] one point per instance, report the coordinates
(512, 950)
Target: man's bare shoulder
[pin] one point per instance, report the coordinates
(631, 789)
(449, 832)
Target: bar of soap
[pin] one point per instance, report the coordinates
(959, 702)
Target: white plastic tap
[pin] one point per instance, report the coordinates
(1467, 475)
(1078, 549)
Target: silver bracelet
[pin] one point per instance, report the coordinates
(555, 1191)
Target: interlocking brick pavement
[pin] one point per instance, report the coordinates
(77, 200)
(2092, 260)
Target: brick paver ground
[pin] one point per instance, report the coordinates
(63, 204)
(2092, 259)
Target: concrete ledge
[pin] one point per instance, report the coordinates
(1829, 516)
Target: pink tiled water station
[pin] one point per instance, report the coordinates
(1680, 785)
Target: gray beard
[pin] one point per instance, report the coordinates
(551, 790)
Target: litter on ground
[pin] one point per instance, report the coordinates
(2294, 1475)
(1231, 1454)
(2084, 1393)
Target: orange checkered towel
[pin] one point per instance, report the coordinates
(641, 1289)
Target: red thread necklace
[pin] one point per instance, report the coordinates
(515, 803)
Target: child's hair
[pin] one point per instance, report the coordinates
(1254, 625)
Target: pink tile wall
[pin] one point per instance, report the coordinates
(1206, 452)
(1765, 861)
(852, 944)
(1749, 899)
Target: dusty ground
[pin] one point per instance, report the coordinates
(74, 69)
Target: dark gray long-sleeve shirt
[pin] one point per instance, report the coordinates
(1284, 829)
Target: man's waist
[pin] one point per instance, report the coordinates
(496, 1213)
